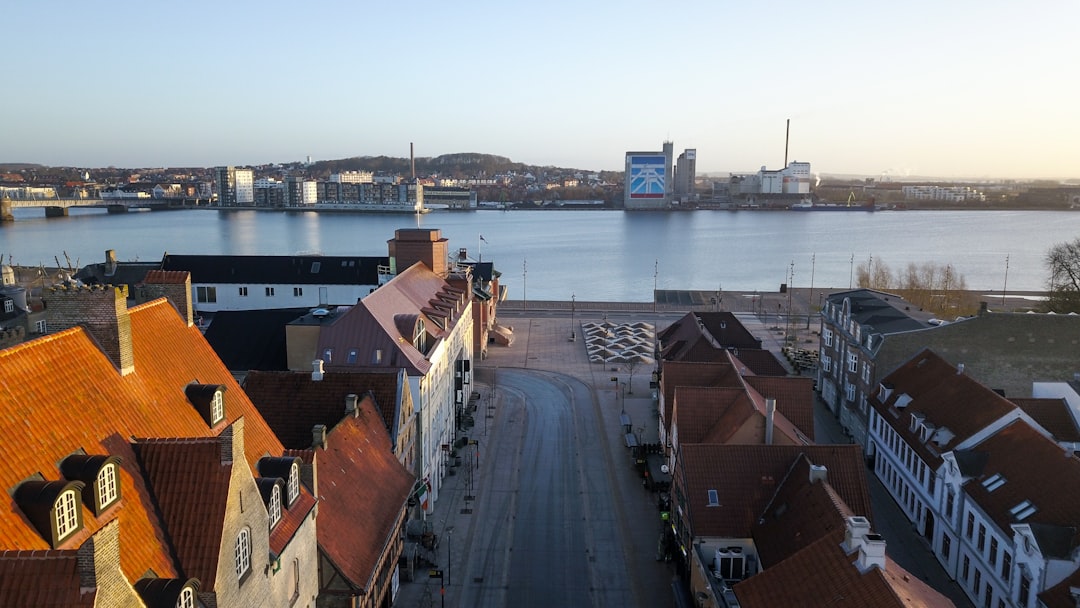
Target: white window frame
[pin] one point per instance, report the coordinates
(274, 510)
(826, 336)
(242, 552)
(66, 514)
(9, 305)
(853, 362)
(186, 599)
(293, 483)
(206, 294)
(106, 485)
(298, 292)
(849, 392)
(826, 363)
(42, 326)
(243, 292)
(217, 407)
(269, 292)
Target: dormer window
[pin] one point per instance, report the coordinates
(274, 509)
(294, 483)
(208, 400)
(186, 599)
(52, 507)
(420, 336)
(283, 472)
(100, 476)
(714, 499)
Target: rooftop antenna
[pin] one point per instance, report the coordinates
(787, 136)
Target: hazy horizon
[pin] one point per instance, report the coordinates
(979, 90)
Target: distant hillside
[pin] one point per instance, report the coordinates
(13, 167)
(461, 164)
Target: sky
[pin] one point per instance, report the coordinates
(977, 89)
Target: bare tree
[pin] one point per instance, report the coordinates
(937, 288)
(1063, 263)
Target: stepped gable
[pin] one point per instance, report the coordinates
(278, 269)
(1053, 414)
(62, 394)
(746, 477)
(1035, 469)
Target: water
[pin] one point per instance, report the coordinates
(594, 255)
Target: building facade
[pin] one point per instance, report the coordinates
(648, 181)
(686, 176)
(235, 187)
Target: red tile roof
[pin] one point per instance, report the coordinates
(61, 393)
(946, 398)
(794, 398)
(362, 494)
(720, 415)
(1034, 468)
(822, 574)
(161, 277)
(383, 321)
(56, 571)
(674, 374)
(747, 476)
(1054, 415)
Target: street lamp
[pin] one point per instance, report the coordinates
(446, 574)
(573, 324)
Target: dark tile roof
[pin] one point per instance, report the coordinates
(947, 398)
(56, 574)
(278, 269)
(821, 573)
(126, 273)
(794, 398)
(747, 476)
(760, 361)
(677, 373)
(292, 403)
(252, 339)
(1054, 415)
(720, 329)
(1034, 468)
(881, 312)
(800, 513)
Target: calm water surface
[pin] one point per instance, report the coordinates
(595, 255)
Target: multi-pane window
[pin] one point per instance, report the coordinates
(9, 305)
(205, 294)
(243, 292)
(849, 392)
(269, 292)
(946, 545)
(1025, 590)
(217, 408)
(982, 537)
(242, 552)
(297, 292)
(966, 569)
(978, 581)
(294, 483)
(67, 514)
(186, 599)
(993, 549)
(826, 335)
(106, 485)
(275, 506)
(949, 504)
(970, 526)
(41, 327)
(826, 363)
(852, 362)
(1006, 566)
(866, 372)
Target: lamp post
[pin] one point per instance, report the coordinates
(573, 324)
(446, 574)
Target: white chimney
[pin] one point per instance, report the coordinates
(855, 530)
(818, 473)
(959, 369)
(317, 370)
(871, 553)
(351, 401)
(770, 414)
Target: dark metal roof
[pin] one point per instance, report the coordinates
(251, 339)
(278, 269)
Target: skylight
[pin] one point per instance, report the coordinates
(1022, 511)
(714, 499)
(993, 482)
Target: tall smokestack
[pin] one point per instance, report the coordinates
(787, 136)
(412, 160)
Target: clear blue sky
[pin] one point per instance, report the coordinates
(957, 88)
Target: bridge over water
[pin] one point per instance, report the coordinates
(58, 207)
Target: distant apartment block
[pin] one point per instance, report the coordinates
(352, 177)
(300, 192)
(234, 186)
(954, 194)
(685, 175)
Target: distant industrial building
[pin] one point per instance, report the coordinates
(647, 183)
(453, 198)
(792, 179)
(686, 176)
(234, 186)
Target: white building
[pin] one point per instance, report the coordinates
(352, 177)
(235, 186)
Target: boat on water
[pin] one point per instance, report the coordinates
(851, 205)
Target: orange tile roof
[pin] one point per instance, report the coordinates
(747, 476)
(821, 574)
(60, 393)
(162, 277)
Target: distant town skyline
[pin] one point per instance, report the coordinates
(963, 89)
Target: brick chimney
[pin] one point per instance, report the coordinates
(175, 285)
(102, 310)
(98, 563)
(412, 245)
(231, 441)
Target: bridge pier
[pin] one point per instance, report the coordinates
(117, 209)
(5, 210)
(56, 211)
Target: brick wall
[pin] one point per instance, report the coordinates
(102, 310)
(99, 568)
(178, 294)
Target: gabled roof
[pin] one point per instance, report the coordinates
(800, 513)
(58, 571)
(720, 330)
(794, 398)
(718, 415)
(252, 339)
(1054, 415)
(747, 476)
(278, 269)
(945, 397)
(674, 374)
(382, 321)
(760, 361)
(191, 485)
(1035, 469)
(292, 403)
(60, 393)
(881, 312)
(822, 573)
(363, 490)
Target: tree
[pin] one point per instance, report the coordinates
(930, 286)
(1063, 262)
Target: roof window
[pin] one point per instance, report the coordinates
(208, 400)
(993, 482)
(714, 499)
(52, 507)
(1022, 511)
